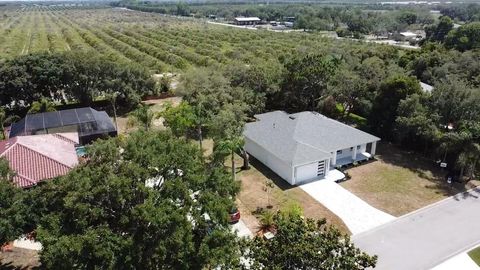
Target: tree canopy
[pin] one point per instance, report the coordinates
(306, 244)
(70, 77)
(139, 202)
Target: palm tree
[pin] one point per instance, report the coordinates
(267, 221)
(112, 97)
(462, 162)
(44, 105)
(475, 148)
(144, 116)
(468, 158)
(4, 119)
(231, 145)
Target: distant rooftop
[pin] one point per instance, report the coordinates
(247, 19)
(408, 34)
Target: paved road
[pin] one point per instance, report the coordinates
(358, 215)
(426, 238)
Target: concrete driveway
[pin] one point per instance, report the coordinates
(425, 238)
(358, 215)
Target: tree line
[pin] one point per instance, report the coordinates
(73, 77)
(361, 20)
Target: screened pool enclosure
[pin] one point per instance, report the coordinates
(89, 123)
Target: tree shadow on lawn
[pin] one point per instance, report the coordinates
(423, 168)
(268, 173)
(11, 266)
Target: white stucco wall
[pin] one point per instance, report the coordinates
(363, 148)
(280, 167)
(345, 153)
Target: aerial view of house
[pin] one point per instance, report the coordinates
(251, 135)
(305, 146)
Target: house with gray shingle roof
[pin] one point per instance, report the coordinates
(302, 147)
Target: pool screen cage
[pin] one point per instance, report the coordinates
(89, 123)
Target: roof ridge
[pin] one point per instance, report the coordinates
(312, 146)
(48, 157)
(63, 138)
(32, 181)
(11, 146)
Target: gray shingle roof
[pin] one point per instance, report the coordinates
(303, 137)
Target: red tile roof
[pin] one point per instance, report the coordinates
(38, 157)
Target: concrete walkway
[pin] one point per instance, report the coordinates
(427, 237)
(358, 215)
(461, 261)
(241, 229)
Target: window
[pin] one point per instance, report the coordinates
(339, 152)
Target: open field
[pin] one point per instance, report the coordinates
(400, 182)
(157, 42)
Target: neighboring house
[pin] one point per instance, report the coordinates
(304, 146)
(246, 20)
(39, 157)
(408, 36)
(87, 122)
(427, 88)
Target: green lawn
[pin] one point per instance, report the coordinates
(399, 182)
(475, 255)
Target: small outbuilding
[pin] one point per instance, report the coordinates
(247, 20)
(305, 146)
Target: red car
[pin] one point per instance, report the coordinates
(234, 215)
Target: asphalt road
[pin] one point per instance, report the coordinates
(427, 237)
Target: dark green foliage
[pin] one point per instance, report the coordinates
(384, 110)
(462, 12)
(439, 31)
(466, 37)
(306, 244)
(305, 81)
(79, 77)
(102, 215)
(15, 211)
(407, 17)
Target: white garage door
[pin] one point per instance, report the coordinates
(310, 171)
